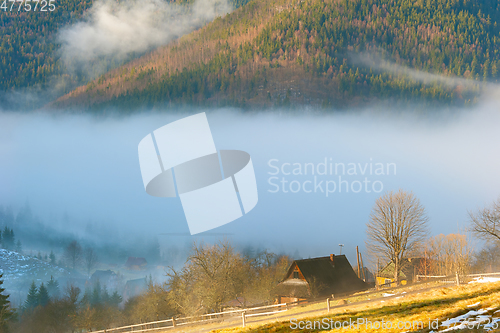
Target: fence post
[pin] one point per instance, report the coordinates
(458, 280)
(328, 304)
(243, 318)
(173, 321)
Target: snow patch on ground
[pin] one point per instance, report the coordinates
(17, 266)
(495, 323)
(20, 270)
(483, 279)
(474, 319)
(473, 305)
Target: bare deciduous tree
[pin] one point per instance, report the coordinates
(216, 274)
(449, 254)
(485, 223)
(488, 259)
(86, 318)
(90, 259)
(397, 227)
(73, 254)
(265, 271)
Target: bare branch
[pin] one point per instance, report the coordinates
(485, 223)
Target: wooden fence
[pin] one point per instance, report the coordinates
(206, 318)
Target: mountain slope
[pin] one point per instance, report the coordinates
(32, 58)
(313, 52)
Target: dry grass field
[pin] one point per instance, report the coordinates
(471, 307)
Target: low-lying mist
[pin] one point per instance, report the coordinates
(76, 171)
(112, 30)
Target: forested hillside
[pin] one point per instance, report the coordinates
(282, 52)
(27, 43)
(30, 53)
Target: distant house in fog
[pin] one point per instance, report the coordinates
(134, 288)
(102, 276)
(106, 278)
(317, 278)
(136, 263)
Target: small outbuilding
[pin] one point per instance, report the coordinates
(318, 277)
(411, 267)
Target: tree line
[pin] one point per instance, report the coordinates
(47, 309)
(32, 233)
(8, 240)
(214, 277)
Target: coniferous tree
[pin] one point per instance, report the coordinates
(8, 240)
(105, 297)
(52, 258)
(115, 299)
(32, 298)
(5, 235)
(5, 310)
(43, 295)
(53, 288)
(19, 247)
(87, 297)
(96, 294)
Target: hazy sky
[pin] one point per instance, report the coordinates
(88, 168)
